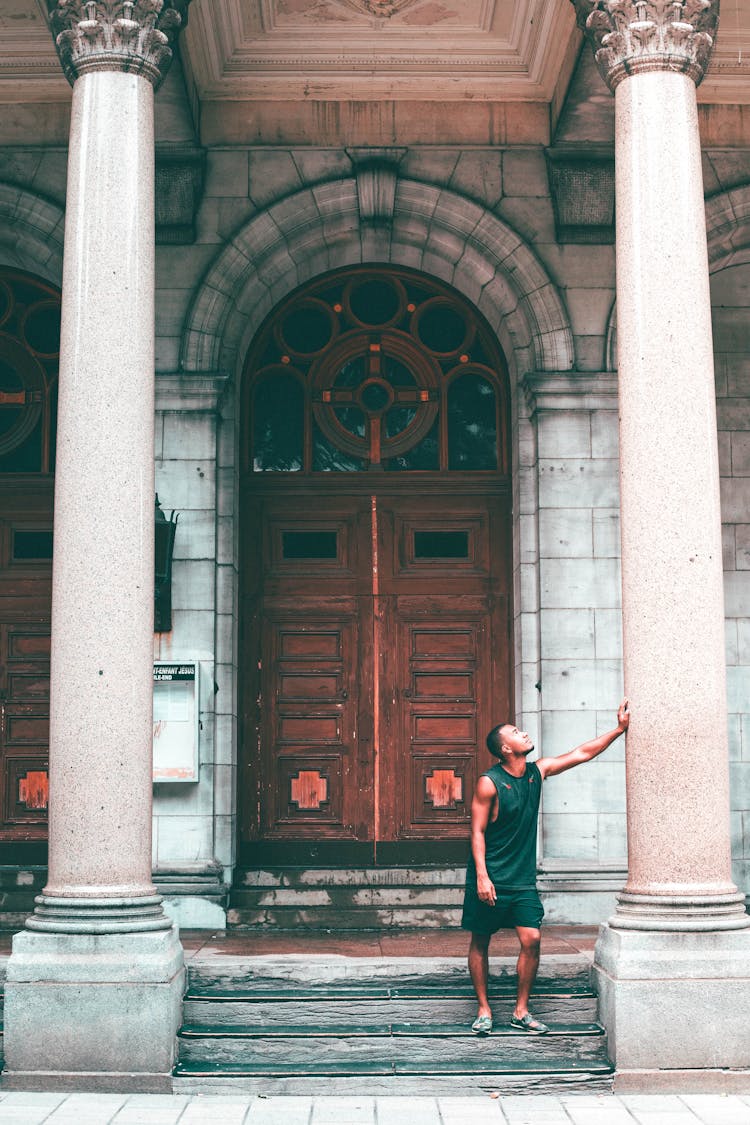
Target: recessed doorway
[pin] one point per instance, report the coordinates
(376, 614)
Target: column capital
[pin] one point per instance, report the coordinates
(134, 36)
(634, 36)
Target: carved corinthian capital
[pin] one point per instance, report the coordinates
(127, 35)
(631, 36)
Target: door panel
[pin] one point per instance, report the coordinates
(307, 698)
(379, 672)
(446, 663)
(25, 603)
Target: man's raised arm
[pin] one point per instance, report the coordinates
(548, 767)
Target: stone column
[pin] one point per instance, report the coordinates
(95, 981)
(672, 962)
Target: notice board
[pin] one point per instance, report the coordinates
(176, 720)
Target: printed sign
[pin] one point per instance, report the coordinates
(176, 726)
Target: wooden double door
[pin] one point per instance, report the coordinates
(25, 603)
(376, 645)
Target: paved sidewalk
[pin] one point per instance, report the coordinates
(572, 1109)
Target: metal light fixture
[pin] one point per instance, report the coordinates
(164, 530)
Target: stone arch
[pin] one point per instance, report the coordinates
(430, 229)
(728, 237)
(31, 233)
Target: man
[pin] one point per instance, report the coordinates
(501, 875)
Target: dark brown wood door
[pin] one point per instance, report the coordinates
(445, 661)
(25, 603)
(376, 646)
(307, 705)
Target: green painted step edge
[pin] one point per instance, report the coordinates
(324, 992)
(400, 1030)
(469, 1068)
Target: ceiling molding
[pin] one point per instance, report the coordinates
(431, 50)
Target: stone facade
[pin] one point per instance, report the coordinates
(480, 217)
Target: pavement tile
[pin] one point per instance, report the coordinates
(83, 1101)
(337, 1110)
(538, 1110)
(151, 1109)
(280, 1111)
(407, 1111)
(221, 1109)
(106, 1111)
(718, 1109)
(607, 1111)
(33, 1097)
(143, 1115)
(658, 1109)
(24, 1115)
(471, 1111)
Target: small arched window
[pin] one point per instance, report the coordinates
(472, 423)
(278, 422)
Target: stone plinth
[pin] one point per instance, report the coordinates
(93, 1011)
(675, 1007)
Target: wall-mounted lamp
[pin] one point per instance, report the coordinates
(165, 530)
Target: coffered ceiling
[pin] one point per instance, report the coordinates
(362, 50)
(359, 49)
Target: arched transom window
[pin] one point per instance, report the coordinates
(375, 368)
(29, 350)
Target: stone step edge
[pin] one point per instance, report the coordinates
(322, 994)
(377, 1031)
(340, 966)
(362, 1069)
(398, 1085)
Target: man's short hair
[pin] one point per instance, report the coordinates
(495, 741)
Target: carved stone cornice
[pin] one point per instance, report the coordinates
(633, 36)
(125, 35)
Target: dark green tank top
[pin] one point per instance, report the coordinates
(510, 841)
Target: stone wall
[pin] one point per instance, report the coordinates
(730, 295)
(566, 537)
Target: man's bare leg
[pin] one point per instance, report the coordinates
(528, 963)
(479, 970)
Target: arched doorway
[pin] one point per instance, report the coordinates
(375, 570)
(29, 349)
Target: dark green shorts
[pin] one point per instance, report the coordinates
(512, 908)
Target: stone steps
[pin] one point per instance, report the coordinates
(347, 899)
(400, 1024)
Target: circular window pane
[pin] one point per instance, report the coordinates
(308, 328)
(352, 420)
(397, 373)
(398, 419)
(41, 329)
(375, 302)
(6, 302)
(375, 397)
(442, 328)
(21, 393)
(11, 386)
(352, 373)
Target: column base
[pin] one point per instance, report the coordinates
(674, 1002)
(93, 1011)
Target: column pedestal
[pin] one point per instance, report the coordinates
(675, 1008)
(93, 1011)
